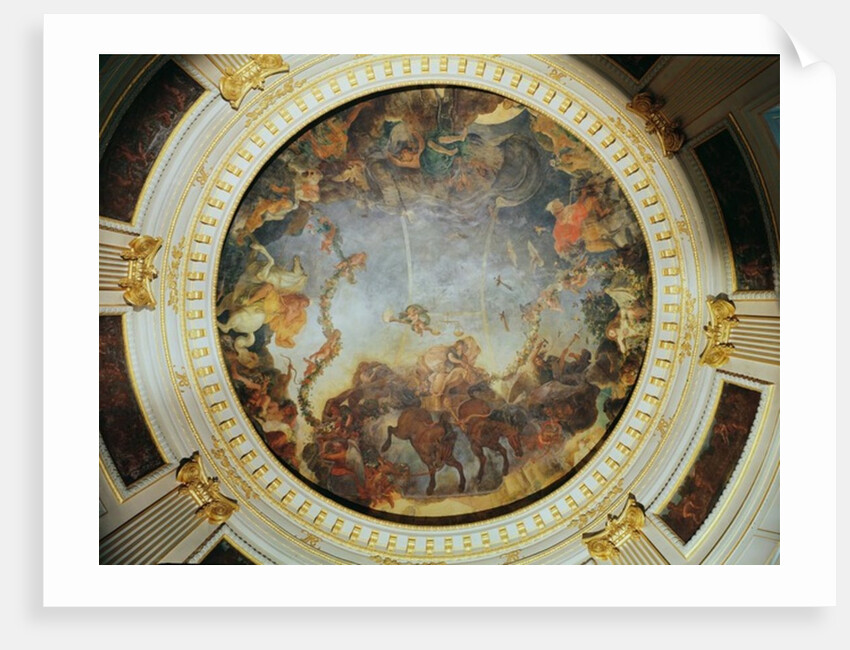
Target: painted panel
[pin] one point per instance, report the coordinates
(721, 450)
(225, 553)
(434, 304)
(139, 138)
(636, 65)
(122, 425)
(741, 210)
(771, 116)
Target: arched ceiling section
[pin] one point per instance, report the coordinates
(696, 444)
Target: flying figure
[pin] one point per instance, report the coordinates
(512, 253)
(504, 320)
(536, 260)
(414, 315)
(502, 283)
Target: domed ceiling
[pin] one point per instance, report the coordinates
(433, 304)
(440, 309)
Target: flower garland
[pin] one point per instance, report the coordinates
(333, 340)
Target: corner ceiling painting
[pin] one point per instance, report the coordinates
(433, 304)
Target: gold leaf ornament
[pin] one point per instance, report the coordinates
(235, 84)
(669, 135)
(717, 348)
(140, 254)
(212, 505)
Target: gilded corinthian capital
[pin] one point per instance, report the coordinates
(235, 84)
(671, 138)
(212, 505)
(604, 544)
(140, 271)
(718, 349)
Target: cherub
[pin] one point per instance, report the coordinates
(414, 315)
(351, 264)
(576, 277)
(329, 233)
(549, 298)
(330, 348)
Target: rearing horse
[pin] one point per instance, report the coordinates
(434, 442)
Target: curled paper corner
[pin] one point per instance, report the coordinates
(794, 46)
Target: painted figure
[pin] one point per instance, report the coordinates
(328, 231)
(451, 366)
(330, 348)
(267, 293)
(433, 441)
(268, 209)
(414, 315)
(570, 219)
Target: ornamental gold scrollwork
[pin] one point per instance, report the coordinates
(556, 74)
(140, 271)
(689, 333)
(381, 559)
(235, 84)
(212, 505)
(218, 451)
(582, 519)
(604, 544)
(635, 138)
(671, 138)
(172, 273)
(510, 558)
(182, 379)
(202, 176)
(310, 540)
(270, 98)
(718, 349)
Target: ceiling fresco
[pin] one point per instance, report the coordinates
(433, 304)
(439, 309)
(122, 422)
(700, 490)
(139, 138)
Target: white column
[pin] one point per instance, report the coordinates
(756, 338)
(154, 532)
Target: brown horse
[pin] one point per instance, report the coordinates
(470, 409)
(484, 432)
(434, 442)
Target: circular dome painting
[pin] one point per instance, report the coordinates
(433, 305)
